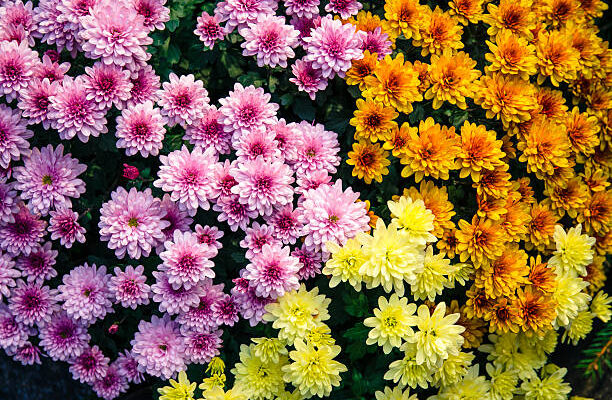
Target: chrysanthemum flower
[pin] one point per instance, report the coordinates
(51, 70)
(260, 379)
(186, 261)
(600, 306)
(569, 298)
(302, 8)
(503, 275)
(285, 224)
(597, 213)
(159, 347)
(415, 220)
(574, 250)
(307, 78)
(15, 135)
(309, 260)
(431, 281)
(8, 274)
(246, 109)
(52, 26)
(63, 338)
(377, 42)
(107, 85)
(317, 150)
(569, 198)
(236, 213)
(111, 385)
(35, 100)
(209, 30)
(153, 11)
(344, 264)
(542, 225)
(183, 99)
(504, 317)
(405, 17)
(557, 59)
(129, 287)
(482, 240)
(209, 236)
(200, 317)
(552, 103)
(360, 69)
(257, 143)
(208, 132)
(511, 55)
(430, 153)
(28, 354)
(140, 129)
(174, 301)
(466, 11)
(17, 62)
(549, 387)
(226, 310)
(545, 147)
(332, 46)
(48, 179)
(515, 16)
(399, 139)
(270, 39)
(557, 13)
(479, 150)
(128, 367)
(451, 76)
(439, 32)
(64, 225)
(407, 372)
(116, 34)
(201, 347)
(373, 120)
(536, 310)
(31, 303)
(582, 131)
(238, 13)
(23, 234)
(256, 237)
(273, 271)
(391, 323)
(145, 86)
(345, 8)
(370, 161)
(38, 265)
(89, 366)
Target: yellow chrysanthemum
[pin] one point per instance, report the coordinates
(360, 69)
(480, 150)
(396, 394)
(480, 241)
(269, 350)
(466, 11)
(595, 179)
(448, 243)
(593, 8)
(541, 276)
(504, 316)
(570, 298)
(366, 21)
(600, 306)
(407, 371)
(557, 13)
(181, 390)
(344, 263)
(472, 386)
(313, 372)
(218, 393)
(549, 388)
(392, 322)
(399, 139)
(320, 336)
(574, 250)
(435, 200)
(494, 184)
(503, 382)
(579, 328)
(413, 218)
(369, 161)
(545, 147)
(511, 55)
(596, 275)
(582, 131)
(439, 31)
(513, 15)
(434, 278)
(262, 380)
(588, 45)
(452, 78)
(557, 59)
(373, 120)
(404, 17)
(423, 70)
(453, 369)
(552, 103)
(515, 222)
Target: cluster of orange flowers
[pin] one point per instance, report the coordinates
(534, 138)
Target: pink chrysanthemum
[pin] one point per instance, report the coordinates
(32, 303)
(270, 39)
(285, 224)
(63, 338)
(23, 235)
(237, 214)
(51, 70)
(286, 138)
(145, 86)
(259, 142)
(49, 179)
(107, 85)
(14, 136)
(377, 42)
(85, 293)
(263, 185)
(307, 78)
(8, 275)
(201, 347)
(71, 113)
(226, 311)
(71, 11)
(302, 8)
(130, 287)
(333, 46)
(128, 367)
(111, 385)
(223, 180)
(186, 261)
(246, 109)
(9, 204)
(201, 317)
(153, 12)
(178, 217)
(89, 366)
(116, 34)
(273, 271)
(209, 30)
(238, 13)
(187, 176)
(305, 25)
(208, 132)
(209, 236)
(346, 8)
(52, 26)
(251, 306)
(330, 214)
(17, 63)
(183, 100)
(64, 225)
(35, 100)
(256, 237)
(18, 15)
(317, 150)
(140, 129)
(132, 222)
(159, 347)
(38, 265)
(310, 262)
(312, 181)
(174, 301)
(12, 333)
(28, 354)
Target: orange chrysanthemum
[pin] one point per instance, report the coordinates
(541, 277)
(513, 15)
(360, 69)
(466, 11)
(597, 213)
(373, 217)
(536, 311)
(508, 148)
(593, 8)
(508, 98)
(369, 161)
(515, 222)
(448, 243)
(480, 241)
(373, 121)
(452, 78)
(493, 183)
(596, 179)
(502, 276)
(480, 150)
(525, 191)
(588, 45)
(560, 175)
(552, 103)
(439, 31)
(582, 131)
(430, 153)
(366, 21)
(505, 317)
(557, 59)
(399, 139)
(394, 83)
(603, 243)
(544, 147)
(557, 13)
(541, 226)
(435, 200)
(599, 101)
(596, 275)
(570, 198)
(404, 17)
(490, 208)
(475, 328)
(423, 70)
(478, 305)
(511, 55)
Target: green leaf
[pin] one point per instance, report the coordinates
(174, 54)
(356, 306)
(304, 109)
(172, 25)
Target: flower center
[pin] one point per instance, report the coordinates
(133, 222)
(46, 180)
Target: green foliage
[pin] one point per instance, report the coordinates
(597, 356)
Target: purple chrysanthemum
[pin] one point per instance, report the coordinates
(89, 366)
(35, 100)
(49, 179)
(236, 214)
(32, 303)
(178, 217)
(251, 306)
(132, 222)
(317, 150)
(145, 85)
(209, 30)
(12, 333)
(201, 317)
(174, 301)
(209, 236)
(246, 109)
(307, 78)
(312, 180)
(183, 99)
(305, 25)
(64, 225)
(129, 287)
(333, 46)
(256, 237)
(223, 181)
(53, 27)
(258, 142)
(128, 367)
(238, 13)
(8, 275)
(85, 293)
(63, 338)
(111, 385)
(17, 62)
(153, 11)
(377, 42)
(346, 8)
(201, 347)
(302, 8)
(51, 70)
(72, 114)
(24, 234)
(107, 85)
(208, 132)
(116, 34)
(187, 176)
(9, 204)
(38, 265)
(226, 310)
(186, 261)
(159, 347)
(71, 11)
(310, 262)
(27, 354)
(270, 39)
(14, 136)
(273, 271)
(141, 129)
(285, 224)
(17, 15)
